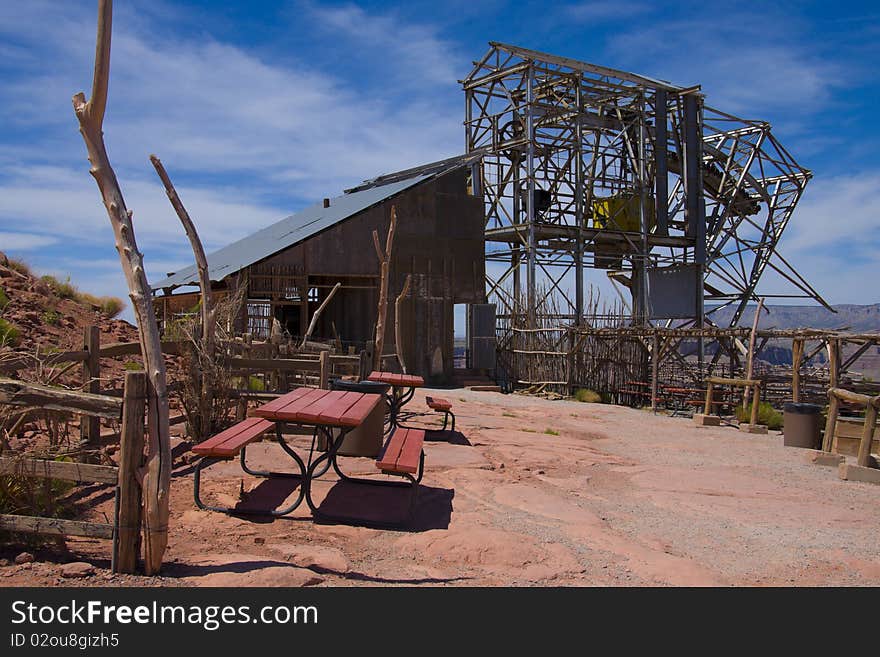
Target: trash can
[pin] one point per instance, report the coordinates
(365, 440)
(801, 425)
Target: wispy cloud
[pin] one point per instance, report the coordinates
(414, 53)
(743, 66)
(24, 241)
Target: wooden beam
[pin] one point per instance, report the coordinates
(19, 393)
(25, 362)
(46, 469)
(280, 364)
(54, 526)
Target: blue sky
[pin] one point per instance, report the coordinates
(260, 108)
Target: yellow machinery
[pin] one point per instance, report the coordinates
(621, 212)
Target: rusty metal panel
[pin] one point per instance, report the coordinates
(672, 291)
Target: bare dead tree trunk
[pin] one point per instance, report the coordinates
(384, 272)
(156, 480)
(208, 310)
(317, 314)
(398, 328)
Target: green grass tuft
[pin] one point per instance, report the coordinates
(10, 335)
(587, 395)
(767, 415)
(551, 432)
(4, 300)
(51, 317)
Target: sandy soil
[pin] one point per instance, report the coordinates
(618, 497)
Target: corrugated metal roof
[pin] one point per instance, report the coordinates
(290, 231)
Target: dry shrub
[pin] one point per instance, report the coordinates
(31, 496)
(20, 266)
(197, 366)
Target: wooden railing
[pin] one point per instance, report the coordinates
(125, 529)
(871, 406)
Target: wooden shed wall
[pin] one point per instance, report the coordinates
(439, 240)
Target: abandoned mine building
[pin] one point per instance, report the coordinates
(290, 267)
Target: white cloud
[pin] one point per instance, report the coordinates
(743, 66)
(414, 52)
(838, 212)
(24, 241)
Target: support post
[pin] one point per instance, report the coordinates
(833, 362)
(707, 410)
(831, 422)
(864, 458)
(131, 456)
(797, 355)
(324, 377)
(756, 398)
(90, 426)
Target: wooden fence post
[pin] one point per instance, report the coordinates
(831, 422)
(131, 457)
(756, 399)
(90, 426)
(364, 365)
(324, 377)
(797, 355)
(864, 458)
(708, 408)
(833, 362)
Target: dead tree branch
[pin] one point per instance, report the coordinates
(208, 310)
(398, 326)
(157, 469)
(384, 273)
(317, 314)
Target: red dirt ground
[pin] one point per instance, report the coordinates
(619, 497)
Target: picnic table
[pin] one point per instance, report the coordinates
(333, 414)
(403, 387)
(322, 410)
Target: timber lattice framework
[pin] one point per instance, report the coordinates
(587, 167)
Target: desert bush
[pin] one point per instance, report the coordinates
(256, 384)
(4, 300)
(30, 496)
(51, 317)
(551, 432)
(20, 266)
(10, 335)
(110, 306)
(63, 290)
(767, 415)
(133, 366)
(586, 395)
(197, 367)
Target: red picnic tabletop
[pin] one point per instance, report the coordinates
(335, 408)
(401, 380)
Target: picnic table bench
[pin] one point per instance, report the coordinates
(443, 406)
(333, 414)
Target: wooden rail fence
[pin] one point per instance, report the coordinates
(125, 530)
